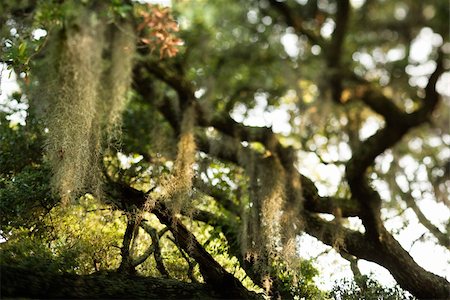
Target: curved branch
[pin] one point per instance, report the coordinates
(126, 265)
(432, 96)
(157, 251)
(444, 239)
(293, 19)
(387, 253)
(376, 244)
(155, 236)
(397, 125)
(394, 116)
(191, 265)
(336, 48)
(384, 106)
(213, 273)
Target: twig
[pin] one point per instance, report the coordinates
(191, 265)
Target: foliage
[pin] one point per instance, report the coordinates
(28, 252)
(160, 30)
(24, 198)
(206, 162)
(366, 288)
(14, 136)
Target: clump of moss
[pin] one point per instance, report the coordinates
(118, 76)
(272, 198)
(184, 163)
(252, 241)
(267, 235)
(262, 227)
(83, 92)
(72, 116)
(175, 189)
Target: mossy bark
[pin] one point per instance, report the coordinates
(19, 283)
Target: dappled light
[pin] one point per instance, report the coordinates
(245, 149)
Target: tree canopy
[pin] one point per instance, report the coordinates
(192, 151)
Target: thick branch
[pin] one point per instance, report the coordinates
(219, 195)
(32, 284)
(336, 47)
(126, 263)
(334, 53)
(397, 125)
(376, 239)
(293, 19)
(213, 273)
(386, 252)
(328, 205)
(363, 157)
(384, 106)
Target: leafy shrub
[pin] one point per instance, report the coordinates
(364, 287)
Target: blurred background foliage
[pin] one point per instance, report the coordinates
(242, 59)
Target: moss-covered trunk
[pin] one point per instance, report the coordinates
(18, 283)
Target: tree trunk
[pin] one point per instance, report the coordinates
(19, 283)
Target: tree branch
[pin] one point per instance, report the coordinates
(213, 273)
(368, 246)
(444, 239)
(393, 115)
(126, 263)
(157, 250)
(386, 252)
(142, 258)
(397, 125)
(384, 106)
(191, 265)
(336, 47)
(294, 20)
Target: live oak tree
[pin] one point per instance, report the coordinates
(136, 157)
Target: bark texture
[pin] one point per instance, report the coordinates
(20, 283)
